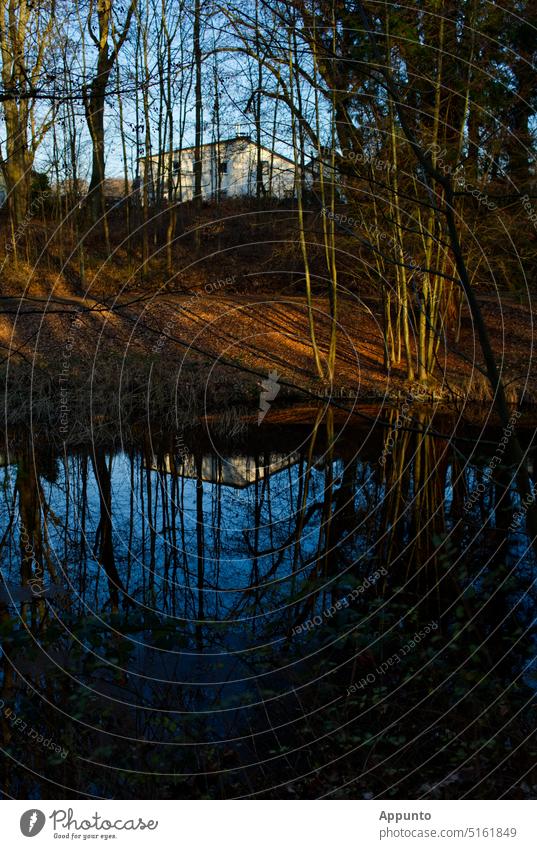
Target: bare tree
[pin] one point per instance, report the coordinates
(108, 40)
(25, 33)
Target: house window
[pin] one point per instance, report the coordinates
(222, 167)
(176, 166)
(265, 166)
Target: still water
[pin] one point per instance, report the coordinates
(336, 608)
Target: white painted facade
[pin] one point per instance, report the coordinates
(229, 169)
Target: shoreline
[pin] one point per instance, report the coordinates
(163, 360)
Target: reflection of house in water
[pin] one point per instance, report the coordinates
(238, 471)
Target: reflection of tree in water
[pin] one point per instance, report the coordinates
(104, 546)
(210, 572)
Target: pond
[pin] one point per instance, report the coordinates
(340, 608)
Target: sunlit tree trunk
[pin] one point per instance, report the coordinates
(302, 235)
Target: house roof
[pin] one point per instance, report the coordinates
(244, 138)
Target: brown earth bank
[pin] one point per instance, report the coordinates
(70, 360)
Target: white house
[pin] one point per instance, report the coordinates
(228, 169)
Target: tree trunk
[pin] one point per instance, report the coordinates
(198, 116)
(94, 103)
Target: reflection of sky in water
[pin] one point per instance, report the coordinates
(175, 662)
(252, 563)
(235, 521)
(249, 526)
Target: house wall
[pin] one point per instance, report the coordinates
(239, 176)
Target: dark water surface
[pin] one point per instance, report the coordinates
(297, 611)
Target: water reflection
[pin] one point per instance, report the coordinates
(242, 619)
